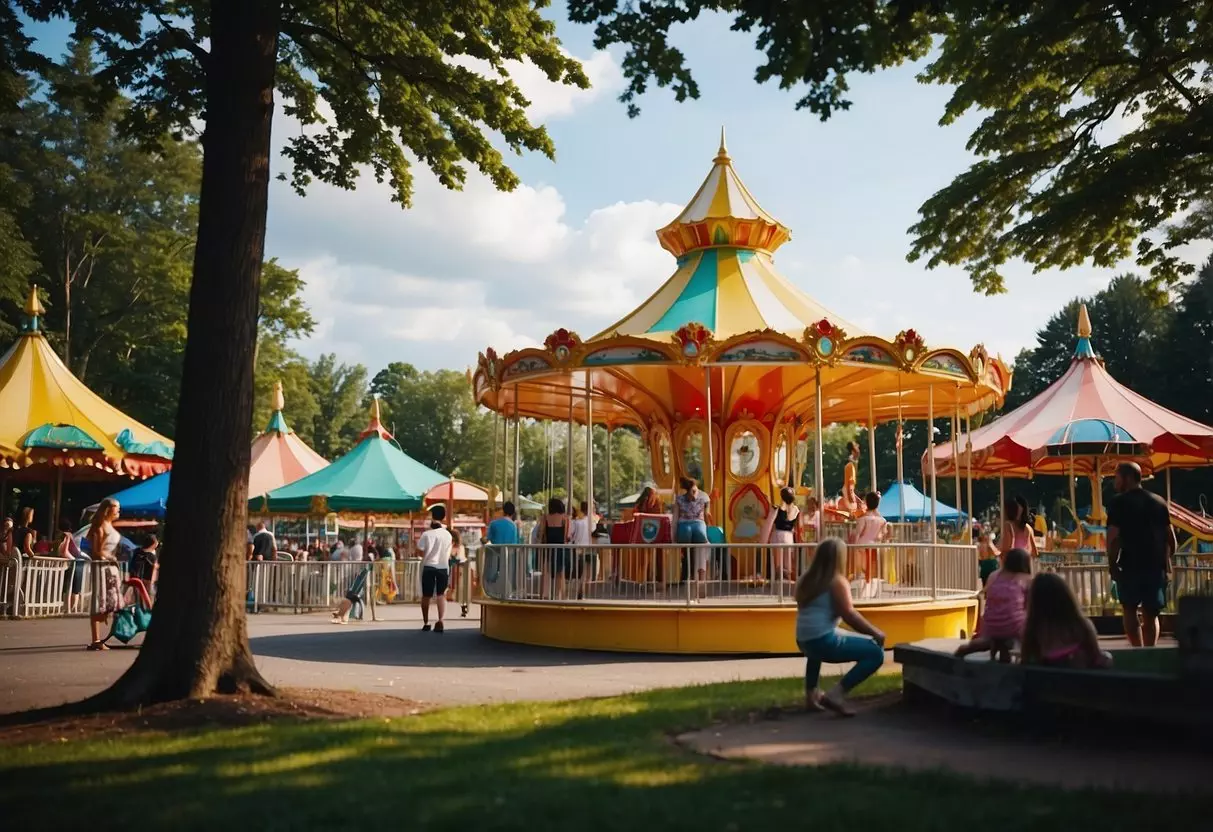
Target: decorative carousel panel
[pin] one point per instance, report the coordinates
(747, 443)
(781, 455)
(760, 351)
(948, 363)
(869, 354)
(632, 354)
(661, 452)
(692, 451)
(525, 366)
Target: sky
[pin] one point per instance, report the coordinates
(574, 245)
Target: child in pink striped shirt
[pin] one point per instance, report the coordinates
(1006, 608)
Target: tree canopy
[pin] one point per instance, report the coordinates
(1096, 128)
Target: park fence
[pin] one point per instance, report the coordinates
(42, 587)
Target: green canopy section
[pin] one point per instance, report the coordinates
(375, 477)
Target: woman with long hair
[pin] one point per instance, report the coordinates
(823, 598)
(103, 541)
(67, 548)
(780, 531)
(649, 502)
(849, 501)
(1017, 532)
(557, 562)
(1056, 633)
(691, 517)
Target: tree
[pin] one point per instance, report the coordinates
(1053, 184)
(1184, 362)
(339, 391)
(395, 75)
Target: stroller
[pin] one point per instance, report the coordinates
(135, 616)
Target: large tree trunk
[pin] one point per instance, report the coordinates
(198, 640)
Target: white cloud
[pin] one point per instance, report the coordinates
(552, 100)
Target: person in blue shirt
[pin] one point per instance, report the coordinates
(501, 532)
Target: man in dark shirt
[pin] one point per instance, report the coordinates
(264, 547)
(1140, 544)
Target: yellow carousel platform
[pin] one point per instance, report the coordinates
(704, 627)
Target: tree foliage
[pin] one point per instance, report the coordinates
(1097, 117)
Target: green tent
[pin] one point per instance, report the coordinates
(376, 477)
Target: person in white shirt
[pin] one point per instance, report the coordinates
(434, 546)
(354, 551)
(339, 550)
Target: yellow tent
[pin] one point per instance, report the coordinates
(51, 422)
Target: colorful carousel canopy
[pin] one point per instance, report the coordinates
(728, 315)
(376, 477)
(460, 491)
(279, 456)
(917, 505)
(1083, 422)
(49, 418)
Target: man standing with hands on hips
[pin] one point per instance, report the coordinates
(434, 546)
(1140, 544)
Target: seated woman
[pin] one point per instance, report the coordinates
(823, 597)
(1056, 633)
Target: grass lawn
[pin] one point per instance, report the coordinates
(583, 765)
(1158, 661)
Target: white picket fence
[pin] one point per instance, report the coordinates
(40, 587)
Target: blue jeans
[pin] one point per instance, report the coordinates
(839, 647)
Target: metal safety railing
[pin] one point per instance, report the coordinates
(719, 573)
(1092, 584)
(48, 587)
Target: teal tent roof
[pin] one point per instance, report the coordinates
(918, 505)
(376, 477)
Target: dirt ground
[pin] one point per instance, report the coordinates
(887, 732)
(292, 704)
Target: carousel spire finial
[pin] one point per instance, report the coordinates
(279, 399)
(722, 155)
(376, 426)
(34, 310)
(277, 422)
(1084, 348)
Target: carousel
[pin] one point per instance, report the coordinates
(729, 372)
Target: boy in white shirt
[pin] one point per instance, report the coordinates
(434, 546)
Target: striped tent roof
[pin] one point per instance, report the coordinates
(726, 278)
(1083, 419)
(278, 455)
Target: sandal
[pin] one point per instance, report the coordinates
(96, 645)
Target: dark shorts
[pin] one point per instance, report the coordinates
(985, 568)
(1147, 590)
(433, 581)
(563, 562)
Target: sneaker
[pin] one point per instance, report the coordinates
(836, 701)
(438, 627)
(426, 628)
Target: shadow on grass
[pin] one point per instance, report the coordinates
(584, 765)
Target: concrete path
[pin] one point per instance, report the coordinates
(43, 662)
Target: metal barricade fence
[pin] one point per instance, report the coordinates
(42, 587)
(718, 573)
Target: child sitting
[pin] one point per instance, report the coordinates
(1006, 601)
(1057, 634)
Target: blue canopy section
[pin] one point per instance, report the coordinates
(1090, 430)
(145, 500)
(918, 505)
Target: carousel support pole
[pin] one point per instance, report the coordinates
(57, 504)
(818, 453)
(873, 483)
(901, 474)
(610, 497)
(709, 470)
(568, 483)
(969, 472)
(1002, 508)
(491, 507)
(517, 457)
(590, 509)
(1074, 500)
(371, 582)
(956, 459)
(930, 450)
(1168, 488)
(3, 493)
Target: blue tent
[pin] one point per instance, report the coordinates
(918, 505)
(145, 500)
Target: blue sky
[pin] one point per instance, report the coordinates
(574, 246)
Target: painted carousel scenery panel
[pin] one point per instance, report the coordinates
(525, 366)
(760, 351)
(612, 356)
(945, 363)
(869, 354)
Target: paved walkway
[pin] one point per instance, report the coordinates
(43, 662)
